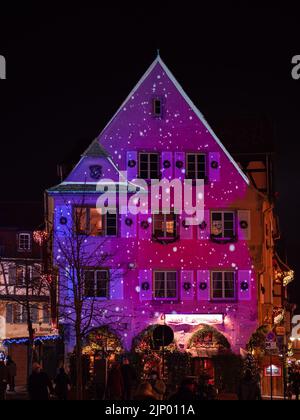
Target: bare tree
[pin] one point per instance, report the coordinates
(83, 301)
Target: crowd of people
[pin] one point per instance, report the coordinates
(123, 384)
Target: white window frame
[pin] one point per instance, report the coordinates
(224, 298)
(21, 237)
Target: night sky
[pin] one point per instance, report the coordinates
(70, 68)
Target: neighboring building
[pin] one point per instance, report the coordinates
(216, 276)
(20, 281)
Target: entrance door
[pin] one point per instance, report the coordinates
(203, 366)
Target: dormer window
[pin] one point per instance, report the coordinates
(24, 242)
(157, 107)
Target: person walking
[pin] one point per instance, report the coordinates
(3, 379)
(12, 373)
(39, 385)
(249, 389)
(158, 385)
(115, 384)
(62, 385)
(129, 378)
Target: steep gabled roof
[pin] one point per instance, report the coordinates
(179, 88)
(95, 150)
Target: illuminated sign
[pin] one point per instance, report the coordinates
(296, 329)
(273, 371)
(178, 319)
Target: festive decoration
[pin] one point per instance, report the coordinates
(132, 164)
(244, 224)
(167, 164)
(145, 225)
(40, 237)
(128, 222)
(244, 286)
(214, 164)
(179, 164)
(203, 225)
(95, 172)
(37, 340)
(145, 286)
(187, 286)
(63, 220)
(208, 337)
(203, 286)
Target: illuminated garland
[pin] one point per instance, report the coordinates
(26, 340)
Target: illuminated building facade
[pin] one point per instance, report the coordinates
(216, 275)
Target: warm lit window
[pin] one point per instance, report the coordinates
(196, 166)
(223, 224)
(24, 242)
(164, 226)
(90, 221)
(223, 285)
(96, 283)
(157, 107)
(149, 166)
(165, 285)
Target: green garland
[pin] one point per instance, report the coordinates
(218, 338)
(258, 338)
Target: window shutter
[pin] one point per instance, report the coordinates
(187, 285)
(132, 165)
(203, 285)
(145, 227)
(9, 313)
(146, 285)
(12, 275)
(179, 165)
(244, 225)
(204, 227)
(186, 232)
(117, 284)
(167, 165)
(63, 220)
(244, 284)
(128, 226)
(214, 166)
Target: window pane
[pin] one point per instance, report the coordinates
(160, 285)
(34, 314)
(111, 224)
(171, 285)
(80, 221)
(96, 222)
(89, 284)
(159, 225)
(229, 285)
(46, 314)
(102, 284)
(217, 285)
